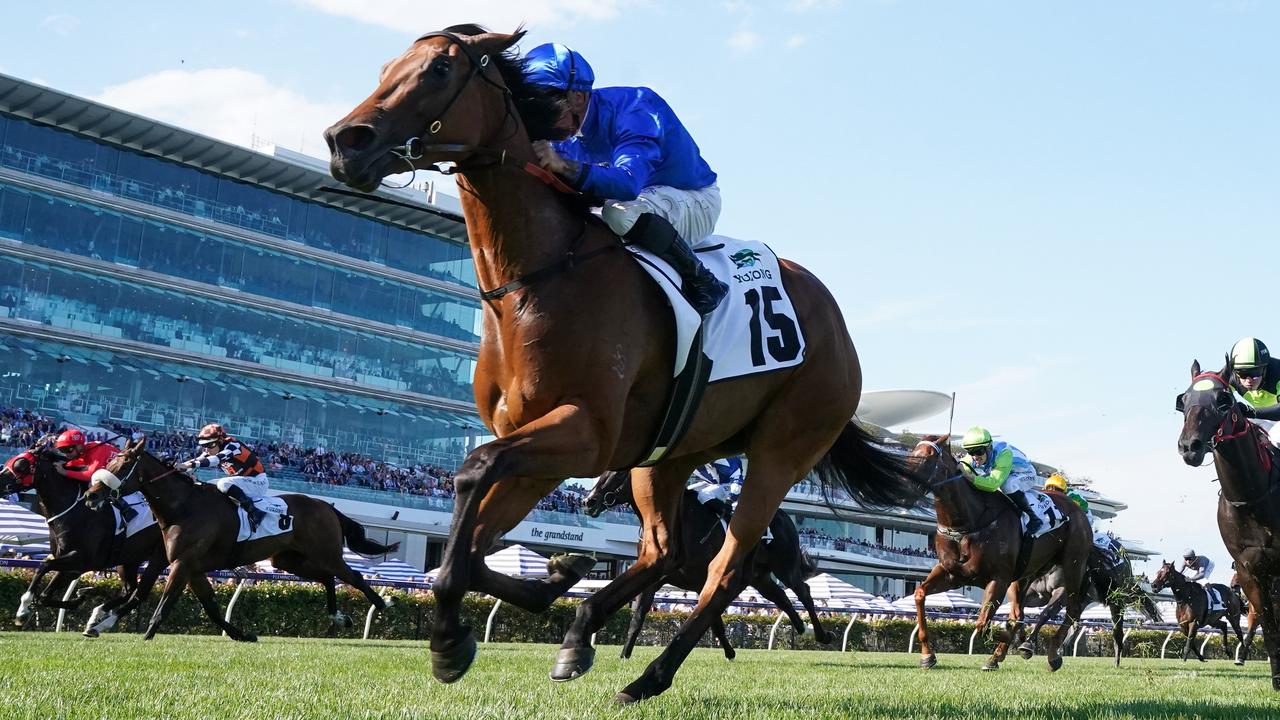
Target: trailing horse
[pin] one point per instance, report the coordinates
(701, 534)
(84, 540)
(200, 527)
(576, 359)
(1194, 609)
(980, 542)
(1248, 504)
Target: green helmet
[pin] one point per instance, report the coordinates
(976, 438)
(1250, 354)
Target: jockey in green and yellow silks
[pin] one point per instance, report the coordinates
(1256, 376)
(997, 465)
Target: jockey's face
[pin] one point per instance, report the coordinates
(574, 110)
(1250, 379)
(979, 455)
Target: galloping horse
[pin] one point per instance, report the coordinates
(200, 526)
(1194, 612)
(1113, 585)
(576, 358)
(1248, 504)
(84, 540)
(702, 533)
(980, 543)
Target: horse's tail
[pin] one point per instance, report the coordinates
(353, 533)
(1150, 609)
(868, 473)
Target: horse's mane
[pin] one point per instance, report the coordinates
(539, 107)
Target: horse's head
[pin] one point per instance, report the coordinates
(932, 462)
(449, 94)
(1164, 577)
(121, 476)
(611, 489)
(1206, 407)
(19, 473)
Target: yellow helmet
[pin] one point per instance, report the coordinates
(1056, 482)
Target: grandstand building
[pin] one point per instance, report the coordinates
(158, 279)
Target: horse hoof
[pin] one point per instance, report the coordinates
(1055, 664)
(990, 666)
(1239, 663)
(248, 637)
(730, 656)
(572, 663)
(574, 565)
(1026, 651)
(1275, 682)
(448, 666)
(91, 633)
(625, 699)
(929, 662)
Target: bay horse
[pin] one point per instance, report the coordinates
(980, 543)
(1112, 584)
(1194, 613)
(702, 533)
(200, 525)
(82, 540)
(576, 358)
(1248, 505)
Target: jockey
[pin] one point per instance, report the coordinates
(246, 479)
(1256, 376)
(719, 483)
(1104, 541)
(1195, 567)
(997, 465)
(626, 146)
(79, 460)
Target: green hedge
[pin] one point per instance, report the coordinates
(298, 610)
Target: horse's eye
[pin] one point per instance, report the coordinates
(441, 69)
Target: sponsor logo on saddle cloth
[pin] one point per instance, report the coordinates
(755, 328)
(1049, 516)
(277, 522)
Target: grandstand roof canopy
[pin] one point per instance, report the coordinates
(53, 107)
(888, 408)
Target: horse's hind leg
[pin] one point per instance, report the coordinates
(717, 629)
(172, 591)
(643, 603)
(1117, 631)
(990, 602)
(107, 611)
(770, 591)
(820, 634)
(200, 587)
(155, 565)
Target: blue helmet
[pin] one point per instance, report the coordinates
(555, 65)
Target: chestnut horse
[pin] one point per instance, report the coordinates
(200, 526)
(1248, 504)
(576, 358)
(980, 543)
(1194, 613)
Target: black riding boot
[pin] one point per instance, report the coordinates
(721, 508)
(126, 512)
(1019, 498)
(256, 516)
(702, 289)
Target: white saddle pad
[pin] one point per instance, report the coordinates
(755, 328)
(1042, 505)
(1215, 598)
(277, 522)
(143, 520)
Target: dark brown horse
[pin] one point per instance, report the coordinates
(702, 533)
(576, 358)
(200, 526)
(84, 540)
(980, 543)
(1194, 609)
(1248, 504)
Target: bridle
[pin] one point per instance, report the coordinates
(415, 149)
(930, 481)
(1227, 431)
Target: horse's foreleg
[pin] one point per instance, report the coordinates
(1013, 624)
(801, 589)
(155, 565)
(937, 581)
(200, 587)
(769, 590)
(643, 603)
(1050, 610)
(657, 494)
(1117, 631)
(1190, 631)
(1074, 603)
(995, 591)
(717, 629)
(566, 442)
(105, 613)
(173, 588)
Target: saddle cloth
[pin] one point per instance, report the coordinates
(277, 522)
(1216, 603)
(1042, 505)
(143, 520)
(754, 329)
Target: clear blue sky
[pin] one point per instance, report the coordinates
(1050, 208)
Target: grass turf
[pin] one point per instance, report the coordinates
(43, 675)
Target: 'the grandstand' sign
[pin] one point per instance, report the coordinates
(574, 536)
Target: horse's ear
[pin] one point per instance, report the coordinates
(1228, 368)
(141, 444)
(944, 440)
(492, 43)
(1195, 368)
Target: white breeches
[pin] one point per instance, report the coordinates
(710, 491)
(1272, 428)
(1016, 482)
(253, 486)
(693, 213)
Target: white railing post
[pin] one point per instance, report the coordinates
(368, 621)
(488, 624)
(774, 630)
(1207, 637)
(844, 644)
(1075, 646)
(1165, 644)
(66, 597)
(911, 641)
(973, 636)
(231, 604)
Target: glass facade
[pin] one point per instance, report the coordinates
(194, 316)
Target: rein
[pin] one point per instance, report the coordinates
(1247, 430)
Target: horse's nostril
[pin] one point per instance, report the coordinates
(356, 137)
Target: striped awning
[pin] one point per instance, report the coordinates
(397, 571)
(517, 561)
(949, 600)
(19, 525)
